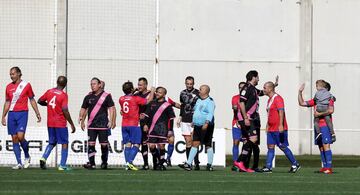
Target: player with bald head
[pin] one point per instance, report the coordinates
(56, 101)
(203, 121)
(277, 129)
(159, 120)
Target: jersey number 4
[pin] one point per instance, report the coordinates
(125, 107)
(52, 102)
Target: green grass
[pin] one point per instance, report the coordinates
(310, 161)
(176, 181)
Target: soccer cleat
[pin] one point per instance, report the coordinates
(257, 170)
(181, 165)
(145, 167)
(185, 166)
(161, 168)
(17, 167)
(266, 170)
(104, 166)
(209, 167)
(64, 168)
(234, 168)
(27, 163)
(89, 166)
(333, 138)
(132, 167)
(197, 167)
(42, 163)
(320, 171)
(294, 168)
(328, 171)
(240, 166)
(250, 170)
(155, 167)
(168, 163)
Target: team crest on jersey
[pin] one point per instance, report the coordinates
(243, 92)
(254, 132)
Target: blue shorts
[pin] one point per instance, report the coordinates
(236, 133)
(277, 138)
(58, 135)
(131, 134)
(324, 138)
(17, 122)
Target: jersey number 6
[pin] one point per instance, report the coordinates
(126, 107)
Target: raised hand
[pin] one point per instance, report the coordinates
(302, 87)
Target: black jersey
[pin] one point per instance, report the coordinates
(188, 100)
(142, 109)
(100, 120)
(250, 96)
(161, 126)
(143, 95)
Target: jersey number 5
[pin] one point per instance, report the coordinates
(125, 107)
(52, 102)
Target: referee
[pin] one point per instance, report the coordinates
(203, 121)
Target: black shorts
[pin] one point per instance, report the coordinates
(250, 131)
(157, 140)
(205, 137)
(103, 135)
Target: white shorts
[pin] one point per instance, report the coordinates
(186, 128)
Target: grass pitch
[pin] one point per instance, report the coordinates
(177, 181)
